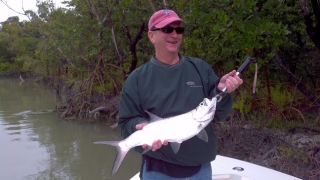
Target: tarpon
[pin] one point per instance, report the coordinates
(192, 123)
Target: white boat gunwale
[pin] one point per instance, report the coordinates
(225, 168)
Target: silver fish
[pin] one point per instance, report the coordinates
(192, 123)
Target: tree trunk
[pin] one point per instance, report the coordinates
(133, 46)
(313, 32)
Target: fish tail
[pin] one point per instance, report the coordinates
(121, 154)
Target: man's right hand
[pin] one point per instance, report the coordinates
(156, 144)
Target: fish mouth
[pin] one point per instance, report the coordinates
(211, 109)
(209, 103)
(213, 104)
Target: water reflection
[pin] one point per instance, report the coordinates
(42, 146)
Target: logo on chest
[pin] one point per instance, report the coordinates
(193, 84)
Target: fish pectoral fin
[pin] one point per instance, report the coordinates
(147, 149)
(175, 146)
(203, 135)
(153, 117)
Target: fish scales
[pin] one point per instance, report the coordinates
(175, 129)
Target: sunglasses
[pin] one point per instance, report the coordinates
(168, 29)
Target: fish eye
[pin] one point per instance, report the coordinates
(201, 104)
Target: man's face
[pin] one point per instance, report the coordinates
(166, 43)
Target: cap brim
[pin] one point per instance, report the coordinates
(168, 21)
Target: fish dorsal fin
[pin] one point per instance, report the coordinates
(203, 135)
(175, 146)
(153, 117)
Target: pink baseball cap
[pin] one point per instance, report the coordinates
(162, 18)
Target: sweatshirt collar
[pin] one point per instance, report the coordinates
(156, 62)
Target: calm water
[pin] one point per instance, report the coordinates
(42, 146)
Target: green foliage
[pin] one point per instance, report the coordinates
(220, 32)
(280, 97)
(280, 111)
(242, 103)
(223, 33)
(77, 41)
(6, 66)
(293, 154)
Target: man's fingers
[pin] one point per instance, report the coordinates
(144, 146)
(239, 80)
(140, 126)
(158, 144)
(165, 142)
(232, 83)
(232, 73)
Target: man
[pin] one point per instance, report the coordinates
(168, 85)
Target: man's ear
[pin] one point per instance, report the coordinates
(151, 36)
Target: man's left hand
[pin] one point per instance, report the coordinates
(231, 81)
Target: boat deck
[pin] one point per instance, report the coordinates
(225, 168)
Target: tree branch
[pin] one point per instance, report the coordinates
(165, 4)
(299, 85)
(94, 12)
(152, 6)
(116, 45)
(6, 4)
